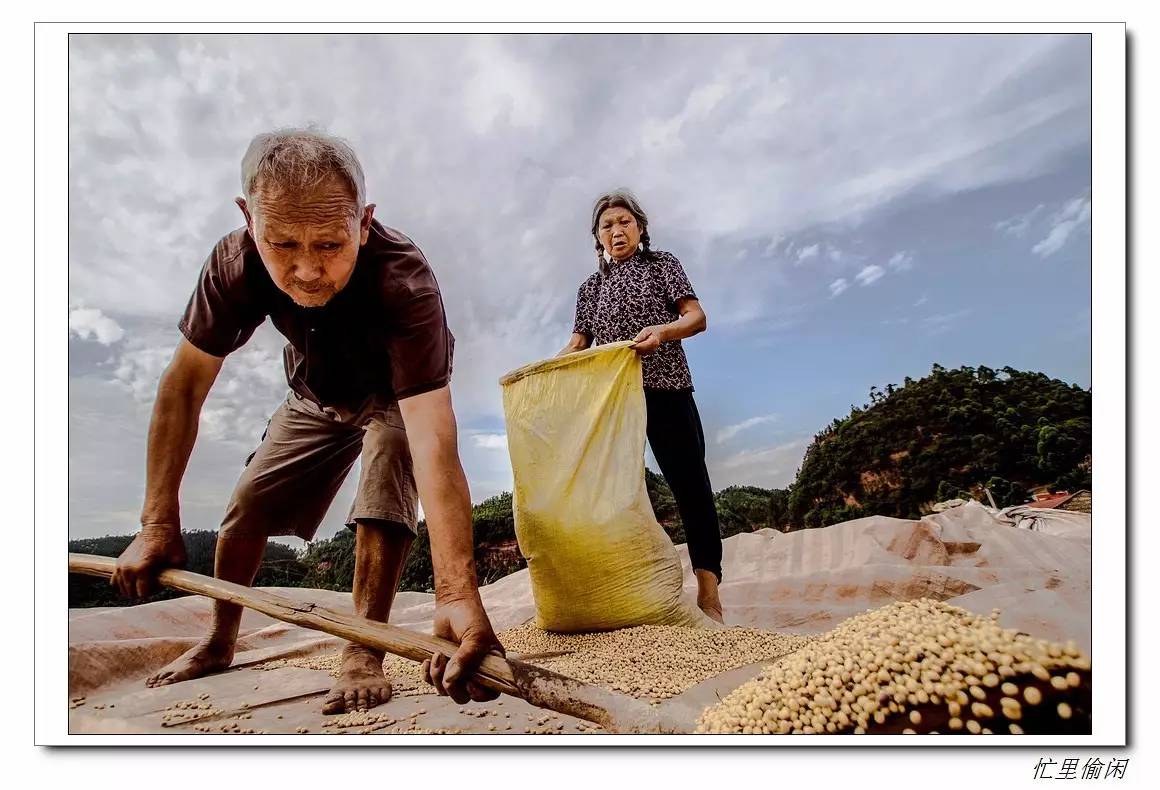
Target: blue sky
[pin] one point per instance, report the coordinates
(850, 209)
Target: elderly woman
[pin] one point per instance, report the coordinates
(643, 295)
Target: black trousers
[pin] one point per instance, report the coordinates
(678, 442)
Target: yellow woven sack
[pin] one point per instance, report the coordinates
(598, 559)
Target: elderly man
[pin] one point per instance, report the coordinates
(368, 363)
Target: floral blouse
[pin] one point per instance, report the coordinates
(638, 292)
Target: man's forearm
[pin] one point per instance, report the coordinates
(172, 433)
(447, 506)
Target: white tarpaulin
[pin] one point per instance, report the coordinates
(802, 582)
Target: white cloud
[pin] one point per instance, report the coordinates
(771, 467)
(503, 89)
(729, 431)
(806, 253)
(1018, 225)
(1076, 207)
(942, 322)
(921, 301)
(509, 130)
(249, 387)
(490, 142)
(869, 275)
(901, 261)
(1072, 216)
(490, 441)
(88, 323)
(531, 124)
(665, 133)
(834, 254)
(139, 368)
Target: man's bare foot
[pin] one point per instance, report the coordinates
(708, 599)
(361, 683)
(204, 658)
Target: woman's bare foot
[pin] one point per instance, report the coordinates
(204, 658)
(708, 599)
(361, 683)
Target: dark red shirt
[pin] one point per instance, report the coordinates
(385, 333)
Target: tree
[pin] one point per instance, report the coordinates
(779, 509)
(493, 521)
(942, 437)
(742, 509)
(1006, 493)
(946, 490)
(330, 563)
(663, 505)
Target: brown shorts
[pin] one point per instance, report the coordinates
(292, 478)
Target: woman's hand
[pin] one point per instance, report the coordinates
(578, 342)
(691, 322)
(648, 340)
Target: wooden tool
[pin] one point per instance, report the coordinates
(543, 688)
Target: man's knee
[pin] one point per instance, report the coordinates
(244, 519)
(385, 527)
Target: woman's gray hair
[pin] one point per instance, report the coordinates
(618, 198)
(300, 159)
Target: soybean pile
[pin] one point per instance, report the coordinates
(646, 662)
(649, 661)
(915, 667)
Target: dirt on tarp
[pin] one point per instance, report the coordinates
(803, 582)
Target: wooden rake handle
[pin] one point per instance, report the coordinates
(540, 687)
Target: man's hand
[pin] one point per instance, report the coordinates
(155, 548)
(465, 622)
(648, 340)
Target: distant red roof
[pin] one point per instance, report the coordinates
(1051, 501)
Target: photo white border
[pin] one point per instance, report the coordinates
(1108, 379)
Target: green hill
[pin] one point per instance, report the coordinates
(949, 434)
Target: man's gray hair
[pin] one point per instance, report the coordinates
(300, 159)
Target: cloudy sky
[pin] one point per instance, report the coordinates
(850, 209)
